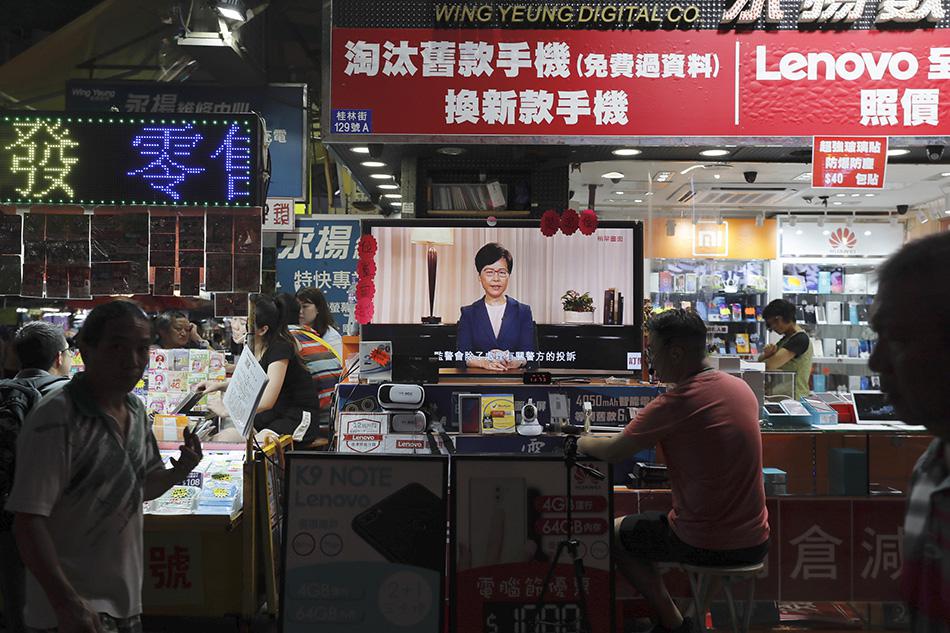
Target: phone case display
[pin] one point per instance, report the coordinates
(214, 487)
(55, 256)
(728, 295)
(833, 303)
(233, 259)
(11, 236)
(172, 373)
(120, 252)
(176, 242)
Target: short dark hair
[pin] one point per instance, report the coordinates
(324, 320)
(491, 253)
(102, 315)
(780, 308)
(685, 326)
(165, 321)
(38, 343)
(921, 266)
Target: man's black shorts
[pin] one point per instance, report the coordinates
(648, 536)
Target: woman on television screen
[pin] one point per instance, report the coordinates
(496, 326)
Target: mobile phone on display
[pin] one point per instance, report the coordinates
(498, 520)
(773, 408)
(470, 412)
(406, 527)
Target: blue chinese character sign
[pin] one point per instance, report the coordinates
(129, 160)
(321, 253)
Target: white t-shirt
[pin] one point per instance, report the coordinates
(89, 484)
(495, 315)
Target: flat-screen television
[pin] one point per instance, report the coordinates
(498, 294)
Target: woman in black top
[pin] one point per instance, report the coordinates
(289, 405)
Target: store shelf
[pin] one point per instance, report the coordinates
(838, 360)
(858, 324)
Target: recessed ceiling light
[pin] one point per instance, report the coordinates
(389, 186)
(897, 151)
(799, 232)
(618, 193)
(649, 193)
(826, 232)
(372, 163)
(612, 175)
(663, 176)
(855, 195)
(451, 151)
(360, 149)
(840, 195)
(837, 204)
(638, 200)
(945, 173)
(947, 211)
(396, 204)
(867, 233)
(714, 152)
(626, 151)
(380, 176)
(394, 196)
(717, 176)
(869, 195)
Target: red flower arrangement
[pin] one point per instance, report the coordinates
(569, 222)
(365, 290)
(588, 222)
(366, 268)
(550, 223)
(364, 312)
(366, 247)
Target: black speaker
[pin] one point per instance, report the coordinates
(418, 370)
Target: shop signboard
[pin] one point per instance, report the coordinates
(364, 546)
(279, 214)
(321, 253)
(174, 572)
(837, 239)
(735, 238)
(282, 106)
(123, 159)
(509, 514)
(586, 70)
(848, 162)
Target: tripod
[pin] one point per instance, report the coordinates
(569, 544)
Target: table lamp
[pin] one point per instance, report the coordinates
(430, 238)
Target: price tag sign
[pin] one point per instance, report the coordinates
(849, 162)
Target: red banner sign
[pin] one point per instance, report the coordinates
(644, 83)
(848, 162)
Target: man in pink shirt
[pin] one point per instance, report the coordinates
(708, 427)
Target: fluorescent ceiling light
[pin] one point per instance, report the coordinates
(837, 204)
(869, 195)
(638, 200)
(855, 195)
(802, 177)
(714, 152)
(691, 168)
(613, 175)
(372, 163)
(232, 9)
(396, 204)
(840, 195)
(867, 233)
(898, 152)
(394, 196)
(626, 151)
(945, 173)
(360, 149)
(380, 176)
(618, 193)
(389, 186)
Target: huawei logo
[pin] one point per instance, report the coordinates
(843, 239)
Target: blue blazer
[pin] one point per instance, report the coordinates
(475, 333)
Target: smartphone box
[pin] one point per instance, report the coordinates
(498, 413)
(361, 433)
(833, 309)
(824, 282)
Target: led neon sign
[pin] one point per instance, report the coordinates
(129, 160)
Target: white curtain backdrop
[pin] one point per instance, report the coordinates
(544, 269)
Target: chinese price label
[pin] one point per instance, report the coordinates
(849, 162)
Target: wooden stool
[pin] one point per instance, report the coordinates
(701, 580)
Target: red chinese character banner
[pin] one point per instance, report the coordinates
(638, 83)
(849, 162)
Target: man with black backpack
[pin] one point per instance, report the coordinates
(44, 360)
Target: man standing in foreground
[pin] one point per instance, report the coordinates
(708, 427)
(44, 367)
(912, 355)
(92, 461)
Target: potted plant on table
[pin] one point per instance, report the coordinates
(578, 308)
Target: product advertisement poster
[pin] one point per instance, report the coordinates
(364, 544)
(508, 517)
(321, 253)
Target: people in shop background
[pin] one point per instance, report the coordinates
(45, 361)
(708, 427)
(495, 325)
(93, 461)
(793, 351)
(289, 404)
(321, 360)
(912, 355)
(315, 314)
(173, 330)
